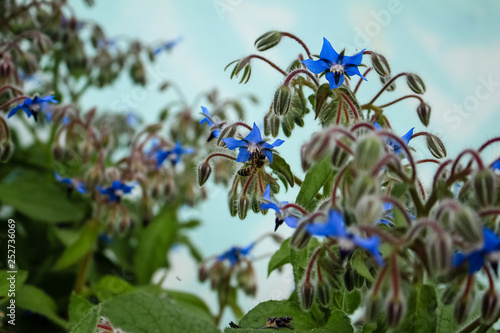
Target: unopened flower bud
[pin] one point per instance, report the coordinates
(268, 40)
(373, 307)
(267, 123)
(349, 279)
(440, 253)
(489, 305)
(275, 125)
(380, 65)
(462, 309)
(485, 187)
(368, 152)
(415, 83)
(436, 146)
(323, 293)
(363, 185)
(450, 293)
(6, 151)
(204, 171)
(424, 113)
(304, 157)
(369, 210)
(255, 203)
(58, 152)
(358, 280)
(318, 147)
(307, 294)
(287, 126)
(243, 206)
(339, 157)
(395, 311)
(202, 273)
(467, 225)
(282, 100)
(300, 237)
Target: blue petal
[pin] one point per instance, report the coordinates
(331, 79)
(328, 53)
(319, 229)
(161, 156)
(496, 165)
(270, 205)
(377, 126)
(14, 111)
(387, 206)
(491, 240)
(336, 222)
(269, 154)
(247, 249)
(354, 59)
(81, 188)
(371, 245)
(127, 188)
(207, 121)
(354, 70)
(476, 261)
(277, 143)
(232, 143)
(458, 259)
(243, 155)
(386, 222)
(316, 66)
(291, 221)
(116, 185)
(407, 137)
(267, 193)
(216, 133)
(254, 135)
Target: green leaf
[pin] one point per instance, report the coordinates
(258, 316)
(141, 312)
(154, 242)
(78, 308)
(315, 178)
(322, 93)
(39, 197)
(84, 243)
(358, 263)
(233, 303)
(280, 257)
(345, 301)
(20, 278)
(420, 316)
(36, 300)
(280, 166)
(110, 286)
(300, 259)
(338, 322)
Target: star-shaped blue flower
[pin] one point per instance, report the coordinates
(234, 254)
(251, 144)
(79, 186)
(167, 46)
(32, 106)
(211, 122)
(335, 227)
(174, 155)
(477, 258)
(116, 190)
(393, 144)
(336, 65)
(281, 215)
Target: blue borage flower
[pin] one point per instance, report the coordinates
(335, 227)
(477, 258)
(234, 254)
(336, 65)
(212, 122)
(174, 155)
(32, 106)
(395, 146)
(496, 165)
(167, 46)
(251, 144)
(281, 216)
(79, 186)
(116, 190)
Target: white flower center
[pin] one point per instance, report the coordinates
(337, 68)
(253, 148)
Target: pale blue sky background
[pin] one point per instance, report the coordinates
(453, 45)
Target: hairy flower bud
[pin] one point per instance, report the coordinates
(369, 210)
(204, 171)
(368, 152)
(372, 307)
(233, 204)
(462, 309)
(380, 65)
(467, 225)
(304, 157)
(307, 294)
(267, 123)
(268, 40)
(424, 113)
(300, 237)
(485, 187)
(282, 100)
(489, 305)
(358, 280)
(339, 157)
(318, 147)
(202, 273)
(243, 206)
(363, 185)
(349, 279)
(323, 293)
(395, 310)
(415, 83)
(440, 253)
(275, 125)
(255, 203)
(436, 146)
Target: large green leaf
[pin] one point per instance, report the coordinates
(338, 322)
(281, 167)
(38, 196)
(110, 286)
(141, 312)
(78, 308)
(280, 257)
(346, 301)
(84, 243)
(421, 315)
(154, 242)
(315, 178)
(36, 300)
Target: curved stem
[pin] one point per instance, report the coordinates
(298, 207)
(272, 64)
(289, 35)
(298, 71)
(220, 155)
(17, 99)
(239, 123)
(361, 79)
(402, 98)
(400, 207)
(387, 85)
(311, 264)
